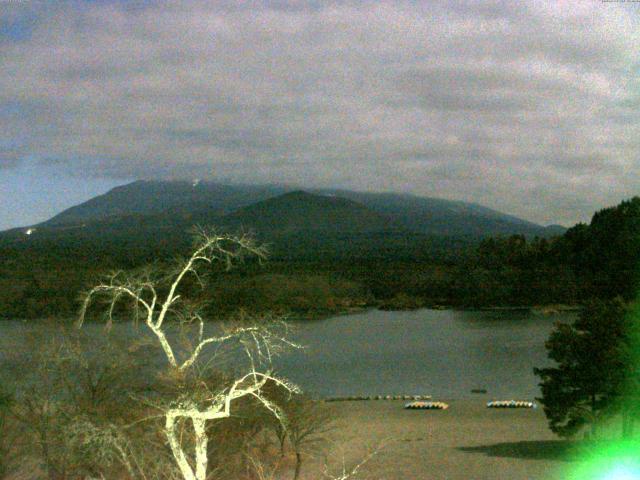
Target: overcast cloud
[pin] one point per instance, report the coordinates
(532, 108)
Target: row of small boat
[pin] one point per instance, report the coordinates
(426, 406)
(423, 402)
(378, 397)
(510, 404)
(492, 404)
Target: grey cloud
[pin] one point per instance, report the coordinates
(10, 157)
(492, 102)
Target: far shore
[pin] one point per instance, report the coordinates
(322, 315)
(535, 309)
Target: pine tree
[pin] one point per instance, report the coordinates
(592, 367)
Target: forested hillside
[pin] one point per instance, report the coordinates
(369, 260)
(598, 260)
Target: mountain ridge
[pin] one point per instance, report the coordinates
(299, 210)
(212, 200)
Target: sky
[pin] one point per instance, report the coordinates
(531, 108)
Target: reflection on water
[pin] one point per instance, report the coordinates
(444, 353)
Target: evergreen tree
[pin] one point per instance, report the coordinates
(591, 370)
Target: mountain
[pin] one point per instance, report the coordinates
(151, 219)
(146, 220)
(175, 202)
(435, 216)
(155, 197)
(299, 211)
(554, 230)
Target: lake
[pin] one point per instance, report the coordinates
(444, 353)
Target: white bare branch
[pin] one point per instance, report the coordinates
(259, 342)
(349, 473)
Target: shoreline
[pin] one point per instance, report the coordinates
(314, 316)
(549, 309)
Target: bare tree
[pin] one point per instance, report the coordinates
(308, 424)
(348, 472)
(345, 471)
(157, 298)
(63, 379)
(40, 409)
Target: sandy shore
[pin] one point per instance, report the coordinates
(467, 441)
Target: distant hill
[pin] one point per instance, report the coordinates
(176, 202)
(300, 211)
(435, 216)
(155, 197)
(147, 220)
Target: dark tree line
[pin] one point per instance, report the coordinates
(597, 358)
(515, 271)
(599, 260)
(596, 261)
(605, 254)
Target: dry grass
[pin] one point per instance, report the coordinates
(467, 441)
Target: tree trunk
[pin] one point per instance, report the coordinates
(296, 474)
(282, 437)
(202, 460)
(176, 448)
(52, 471)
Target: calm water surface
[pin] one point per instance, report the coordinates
(444, 353)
